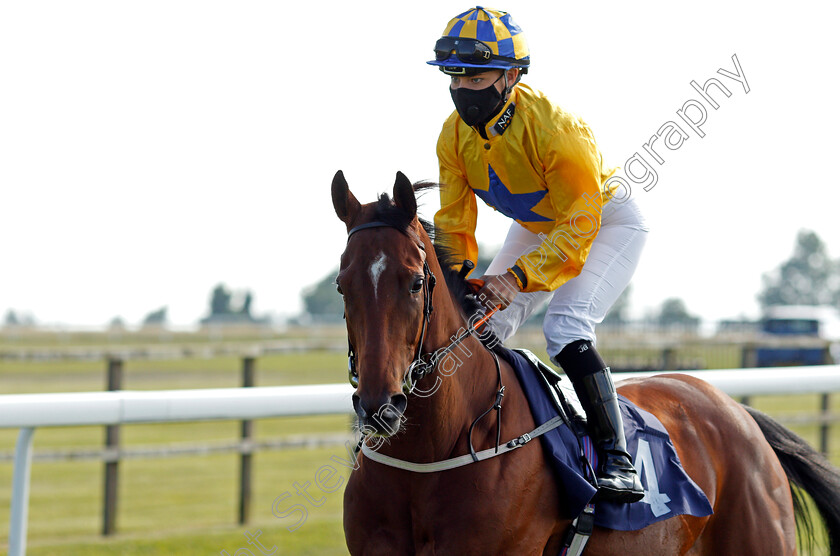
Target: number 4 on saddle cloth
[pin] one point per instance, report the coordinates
(669, 491)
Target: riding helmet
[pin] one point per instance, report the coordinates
(481, 39)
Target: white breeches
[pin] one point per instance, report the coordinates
(576, 307)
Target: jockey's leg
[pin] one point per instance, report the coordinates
(617, 478)
(573, 312)
(518, 242)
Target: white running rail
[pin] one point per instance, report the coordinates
(30, 411)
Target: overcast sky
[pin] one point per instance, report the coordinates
(151, 150)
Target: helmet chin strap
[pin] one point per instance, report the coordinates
(509, 88)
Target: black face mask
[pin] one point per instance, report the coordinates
(477, 107)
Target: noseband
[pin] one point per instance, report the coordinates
(421, 365)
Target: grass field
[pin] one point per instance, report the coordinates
(187, 504)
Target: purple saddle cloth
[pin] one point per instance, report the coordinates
(669, 491)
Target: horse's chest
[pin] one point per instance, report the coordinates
(473, 513)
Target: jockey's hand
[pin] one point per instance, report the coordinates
(499, 289)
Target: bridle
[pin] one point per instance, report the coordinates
(422, 364)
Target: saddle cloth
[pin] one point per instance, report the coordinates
(669, 491)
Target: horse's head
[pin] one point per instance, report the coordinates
(387, 288)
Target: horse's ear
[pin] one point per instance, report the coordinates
(345, 204)
(404, 194)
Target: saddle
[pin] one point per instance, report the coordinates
(669, 491)
(560, 391)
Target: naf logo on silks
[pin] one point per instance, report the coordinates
(504, 121)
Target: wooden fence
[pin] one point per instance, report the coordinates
(669, 357)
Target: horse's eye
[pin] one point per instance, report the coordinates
(338, 287)
(418, 285)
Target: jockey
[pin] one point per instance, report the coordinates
(573, 242)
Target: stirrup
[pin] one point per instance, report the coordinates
(622, 497)
(625, 494)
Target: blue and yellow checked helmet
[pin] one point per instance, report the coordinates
(481, 39)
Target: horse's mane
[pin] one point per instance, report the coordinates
(391, 214)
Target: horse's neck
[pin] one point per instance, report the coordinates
(462, 386)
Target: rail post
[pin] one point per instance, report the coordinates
(245, 459)
(19, 512)
(112, 445)
(749, 360)
(825, 403)
(669, 359)
(825, 415)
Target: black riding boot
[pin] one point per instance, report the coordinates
(617, 478)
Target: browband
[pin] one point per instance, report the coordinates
(377, 224)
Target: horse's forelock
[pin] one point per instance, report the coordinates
(390, 214)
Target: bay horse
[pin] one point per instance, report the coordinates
(744, 462)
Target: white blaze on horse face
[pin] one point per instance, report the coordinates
(376, 271)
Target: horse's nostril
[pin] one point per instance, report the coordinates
(400, 402)
(390, 415)
(357, 406)
(386, 419)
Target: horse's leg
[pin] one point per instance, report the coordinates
(812, 473)
(374, 524)
(754, 514)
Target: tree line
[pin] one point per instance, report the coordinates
(225, 307)
(808, 277)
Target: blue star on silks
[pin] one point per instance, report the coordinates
(514, 205)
